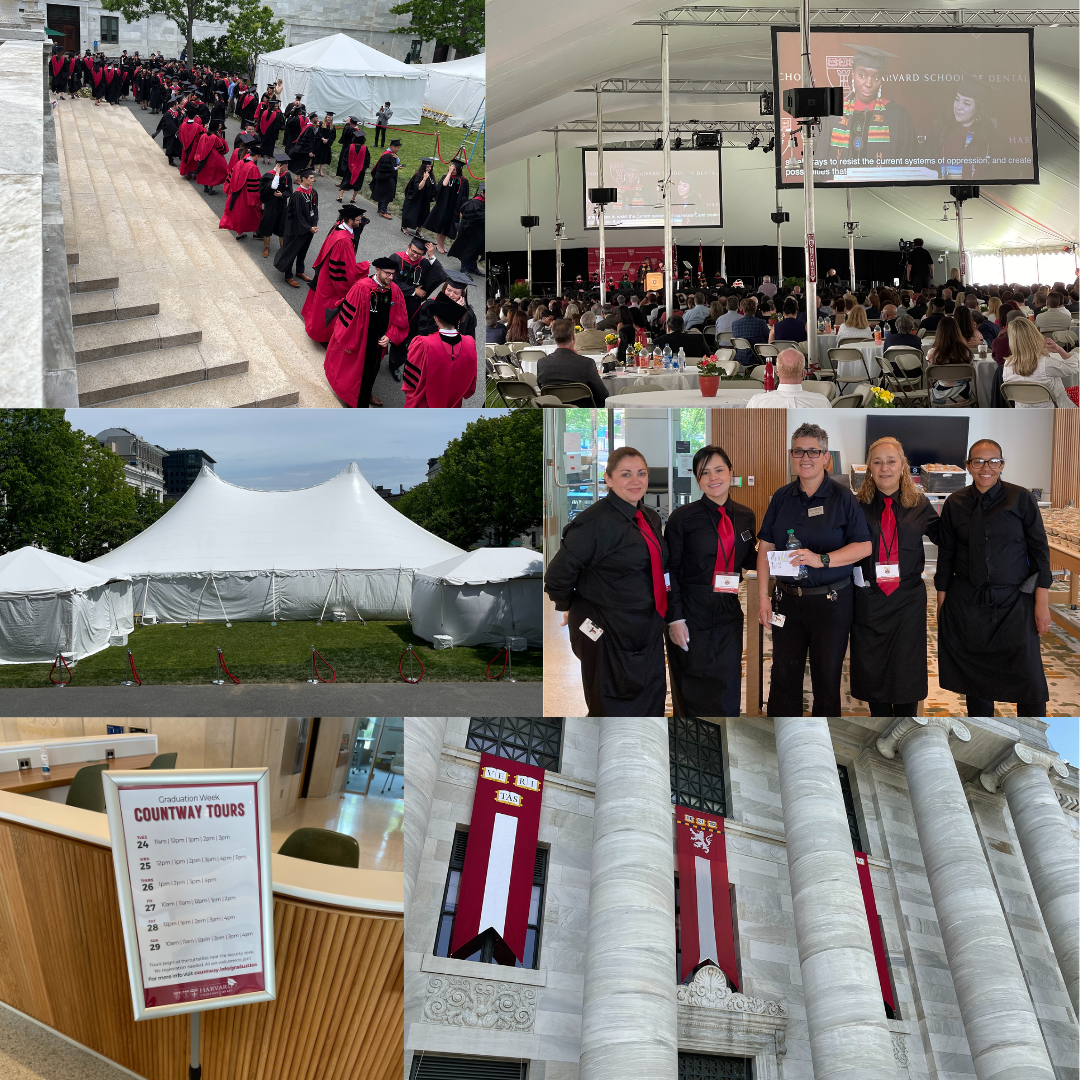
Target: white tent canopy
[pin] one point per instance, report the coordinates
(49, 605)
(481, 597)
(231, 552)
(347, 77)
(457, 89)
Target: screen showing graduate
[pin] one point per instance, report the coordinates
(920, 107)
(636, 174)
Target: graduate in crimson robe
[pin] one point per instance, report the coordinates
(243, 206)
(59, 78)
(440, 372)
(336, 272)
(97, 74)
(270, 123)
(190, 132)
(210, 167)
(357, 160)
(372, 316)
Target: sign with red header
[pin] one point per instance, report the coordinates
(500, 857)
(862, 864)
(704, 900)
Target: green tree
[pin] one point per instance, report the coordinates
(459, 23)
(253, 31)
(214, 53)
(183, 13)
(489, 483)
(62, 491)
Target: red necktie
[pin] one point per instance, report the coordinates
(656, 562)
(887, 552)
(725, 546)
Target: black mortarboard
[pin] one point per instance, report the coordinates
(458, 278)
(870, 56)
(385, 263)
(299, 96)
(395, 142)
(281, 157)
(457, 161)
(427, 161)
(329, 113)
(416, 240)
(442, 307)
(481, 187)
(305, 172)
(248, 139)
(350, 211)
(353, 120)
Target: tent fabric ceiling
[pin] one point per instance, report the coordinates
(535, 77)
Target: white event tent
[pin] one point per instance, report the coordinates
(335, 550)
(50, 604)
(347, 77)
(457, 88)
(481, 597)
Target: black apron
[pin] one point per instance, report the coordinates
(888, 643)
(714, 622)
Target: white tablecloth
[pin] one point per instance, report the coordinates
(984, 381)
(682, 399)
(849, 371)
(669, 380)
(529, 363)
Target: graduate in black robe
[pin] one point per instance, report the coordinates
(325, 134)
(156, 88)
(269, 125)
(275, 201)
(347, 134)
(452, 191)
(993, 583)
(384, 177)
(301, 224)
(456, 288)
(419, 192)
(888, 629)
(704, 613)
(469, 245)
(169, 126)
(607, 578)
(302, 150)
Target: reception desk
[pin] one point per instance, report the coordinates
(338, 936)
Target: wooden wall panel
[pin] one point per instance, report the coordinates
(756, 442)
(339, 1013)
(1065, 475)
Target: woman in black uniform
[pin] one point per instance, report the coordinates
(810, 614)
(709, 543)
(993, 590)
(888, 631)
(609, 579)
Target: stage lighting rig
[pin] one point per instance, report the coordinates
(768, 147)
(754, 143)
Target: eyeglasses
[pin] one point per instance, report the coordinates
(813, 455)
(993, 462)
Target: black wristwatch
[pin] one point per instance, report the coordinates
(825, 561)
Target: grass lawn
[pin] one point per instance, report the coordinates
(261, 653)
(417, 141)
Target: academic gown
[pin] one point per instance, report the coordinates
(425, 322)
(100, 85)
(345, 139)
(448, 202)
(706, 680)
(602, 572)
(272, 222)
(990, 549)
(155, 93)
(301, 150)
(210, 152)
(189, 135)
(324, 151)
(336, 271)
(269, 125)
(58, 78)
(346, 352)
(357, 160)
(243, 208)
(469, 245)
(417, 203)
(170, 127)
(440, 372)
(888, 632)
(384, 178)
(113, 82)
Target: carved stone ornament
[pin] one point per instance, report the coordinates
(709, 990)
(899, 1049)
(1017, 756)
(889, 743)
(479, 1003)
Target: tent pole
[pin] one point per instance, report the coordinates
(600, 183)
(665, 185)
(849, 227)
(528, 231)
(327, 600)
(808, 193)
(223, 611)
(558, 224)
(198, 603)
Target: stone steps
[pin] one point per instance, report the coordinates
(91, 277)
(102, 341)
(133, 212)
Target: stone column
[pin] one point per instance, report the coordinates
(422, 747)
(1048, 846)
(1002, 1030)
(845, 1015)
(629, 1018)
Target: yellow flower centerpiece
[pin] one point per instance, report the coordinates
(880, 398)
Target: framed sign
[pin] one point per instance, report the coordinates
(191, 852)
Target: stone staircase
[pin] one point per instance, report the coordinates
(168, 310)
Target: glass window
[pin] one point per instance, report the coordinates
(532, 740)
(711, 1067)
(433, 1067)
(110, 29)
(697, 765)
(849, 806)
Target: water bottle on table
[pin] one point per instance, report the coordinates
(682, 359)
(667, 357)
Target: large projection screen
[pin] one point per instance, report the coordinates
(695, 189)
(939, 107)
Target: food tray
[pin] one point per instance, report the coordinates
(939, 479)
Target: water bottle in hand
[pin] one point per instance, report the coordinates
(792, 545)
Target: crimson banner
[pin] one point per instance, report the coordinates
(500, 857)
(628, 259)
(870, 903)
(704, 900)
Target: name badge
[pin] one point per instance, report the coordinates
(885, 571)
(726, 583)
(591, 630)
(815, 511)
(667, 581)
(777, 619)
(745, 535)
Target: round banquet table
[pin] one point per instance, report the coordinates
(682, 399)
(984, 380)
(529, 363)
(668, 380)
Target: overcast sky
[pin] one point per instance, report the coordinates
(291, 448)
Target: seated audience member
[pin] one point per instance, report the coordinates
(692, 344)
(888, 317)
(751, 328)
(948, 301)
(937, 313)
(789, 394)
(950, 348)
(495, 331)
(985, 327)
(517, 328)
(564, 365)
(790, 327)
(590, 339)
(873, 306)
(1000, 347)
(904, 334)
(855, 327)
(1054, 317)
(697, 315)
(839, 311)
(726, 321)
(1035, 359)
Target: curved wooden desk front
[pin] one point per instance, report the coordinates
(338, 944)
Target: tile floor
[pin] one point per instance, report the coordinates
(30, 1052)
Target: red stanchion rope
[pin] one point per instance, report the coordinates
(409, 678)
(315, 667)
(438, 149)
(134, 673)
(224, 667)
(60, 660)
(505, 654)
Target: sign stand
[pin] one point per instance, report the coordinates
(194, 1069)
